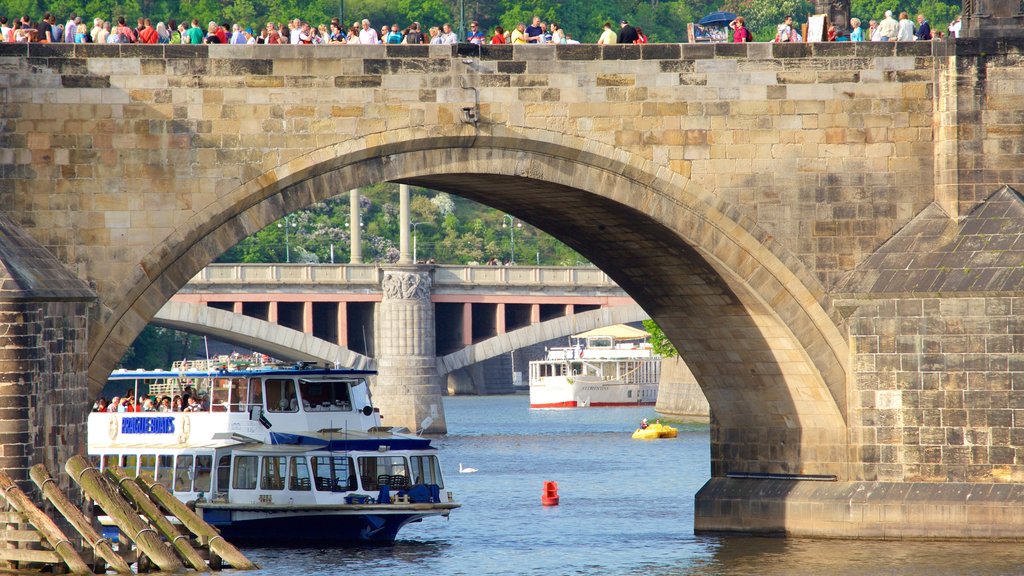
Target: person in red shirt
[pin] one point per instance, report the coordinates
(740, 33)
(222, 33)
(147, 34)
(499, 35)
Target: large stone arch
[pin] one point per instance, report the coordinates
(756, 326)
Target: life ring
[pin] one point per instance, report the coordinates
(113, 426)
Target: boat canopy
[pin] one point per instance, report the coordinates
(617, 332)
(295, 371)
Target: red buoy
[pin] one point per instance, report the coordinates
(550, 495)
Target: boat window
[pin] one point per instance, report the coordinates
(281, 395)
(255, 392)
(165, 470)
(426, 470)
(577, 367)
(147, 465)
(273, 473)
(183, 473)
(224, 473)
(244, 473)
(239, 394)
(204, 470)
(331, 474)
(298, 474)
(219, 394)
(109, 460)
(371, 468)
(320, 396)
(130, 464)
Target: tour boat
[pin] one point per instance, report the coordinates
(612, 366)
(276, 454)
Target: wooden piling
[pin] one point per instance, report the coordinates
(100, 545)
(138, 497)
(132, 527)
(49, 530)
(196, 525)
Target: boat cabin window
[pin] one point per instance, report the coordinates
(321, 396)
(147, 465)
(274, 470)
(244, 473)
(204, 472)
(298, 474)
(130, 464)
(255, 392)
(224, 473)
(599, 342)
(371, 468)
(426, 470)
(219, 394)
(281, 395)
(183, 473)
(239, 394)
(165, 470)
(333, 474)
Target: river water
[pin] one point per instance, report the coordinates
(626, 508)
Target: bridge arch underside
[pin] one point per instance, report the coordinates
(753, 330)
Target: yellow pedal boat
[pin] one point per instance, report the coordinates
(655, 431)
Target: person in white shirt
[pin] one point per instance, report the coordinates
(295, 29)
(905, 29)
(367, 35)
(954, 27)
(447, 36)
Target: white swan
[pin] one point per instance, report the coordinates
(466, 470)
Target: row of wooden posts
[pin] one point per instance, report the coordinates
(139, 507)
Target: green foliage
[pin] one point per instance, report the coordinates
(661, 344)
(158, 347)
(938, 12)
(449, 229)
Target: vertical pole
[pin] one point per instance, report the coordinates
(353, 218)
(403, 225)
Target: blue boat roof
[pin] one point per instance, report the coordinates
(155, 374)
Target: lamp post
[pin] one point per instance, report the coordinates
(287, 239)
(414, 226)
(511, 223)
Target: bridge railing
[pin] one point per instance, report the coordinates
(369, 274)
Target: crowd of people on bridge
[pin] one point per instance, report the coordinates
(144, 31)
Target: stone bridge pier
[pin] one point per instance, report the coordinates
(408, 388)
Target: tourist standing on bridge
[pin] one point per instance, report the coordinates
(856, 33)
(534, 31)
(924, 30)
(367, 35)
(888, 28)
(499, 36)
(627, 34)
(905, 31)
(447, 36)
(740, 32)
(607, 37)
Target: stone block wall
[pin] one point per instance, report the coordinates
(44, 399)
(939, 390)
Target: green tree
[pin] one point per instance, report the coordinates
(661, 344)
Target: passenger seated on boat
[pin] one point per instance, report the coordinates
(643, 424)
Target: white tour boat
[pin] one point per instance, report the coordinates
(613, 366)
(276, 455)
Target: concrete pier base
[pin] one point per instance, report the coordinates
(877, 510)
(408, 388)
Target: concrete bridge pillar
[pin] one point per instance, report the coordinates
(408, 389)
(404, 250)
(356, 233)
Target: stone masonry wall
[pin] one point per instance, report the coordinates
(940, 390)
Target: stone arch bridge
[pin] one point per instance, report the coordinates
(833, 229)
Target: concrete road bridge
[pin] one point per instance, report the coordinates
(339, 302)
(833, 229)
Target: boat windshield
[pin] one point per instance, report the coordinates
(325, 395)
